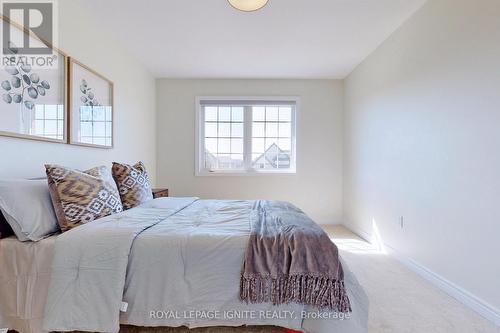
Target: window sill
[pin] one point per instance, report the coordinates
(244, 173)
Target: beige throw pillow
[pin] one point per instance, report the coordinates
(82, 196)
(133, 184)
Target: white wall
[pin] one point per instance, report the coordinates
(134, 104)
(317, 186)
(422, 140)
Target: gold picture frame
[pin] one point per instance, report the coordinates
(90, 123)
(29, 126)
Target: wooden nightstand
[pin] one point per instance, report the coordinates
(160, 193)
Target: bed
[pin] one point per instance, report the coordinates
(169, 262)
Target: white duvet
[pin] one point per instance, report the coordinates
(170, 262)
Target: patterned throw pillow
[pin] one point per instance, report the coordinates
(133, 184)
(80, 197)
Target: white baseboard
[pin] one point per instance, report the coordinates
(484, 309)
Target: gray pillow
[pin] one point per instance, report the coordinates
(27, 207)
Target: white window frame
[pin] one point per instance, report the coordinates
(44, 119)
(200, 169)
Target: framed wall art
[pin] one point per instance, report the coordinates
(90, 107)
(33, 91)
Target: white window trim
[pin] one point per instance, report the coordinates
(200, 128)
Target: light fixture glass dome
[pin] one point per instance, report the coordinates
(248, 5)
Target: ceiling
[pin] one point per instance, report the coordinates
(286, 39)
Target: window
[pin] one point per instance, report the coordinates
(49, 121)
(96, 125)
(245, 135)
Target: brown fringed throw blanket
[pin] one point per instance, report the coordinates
(289, 258)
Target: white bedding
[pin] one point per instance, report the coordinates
(188, 258)
(24, 282)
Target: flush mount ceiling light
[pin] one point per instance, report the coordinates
(248, 5)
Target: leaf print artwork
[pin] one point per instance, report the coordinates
(88, 97)
(91, 107)
(23, 87)
(33, 91)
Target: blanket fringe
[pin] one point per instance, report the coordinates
(321, 292)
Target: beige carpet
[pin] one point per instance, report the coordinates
(400, 301)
